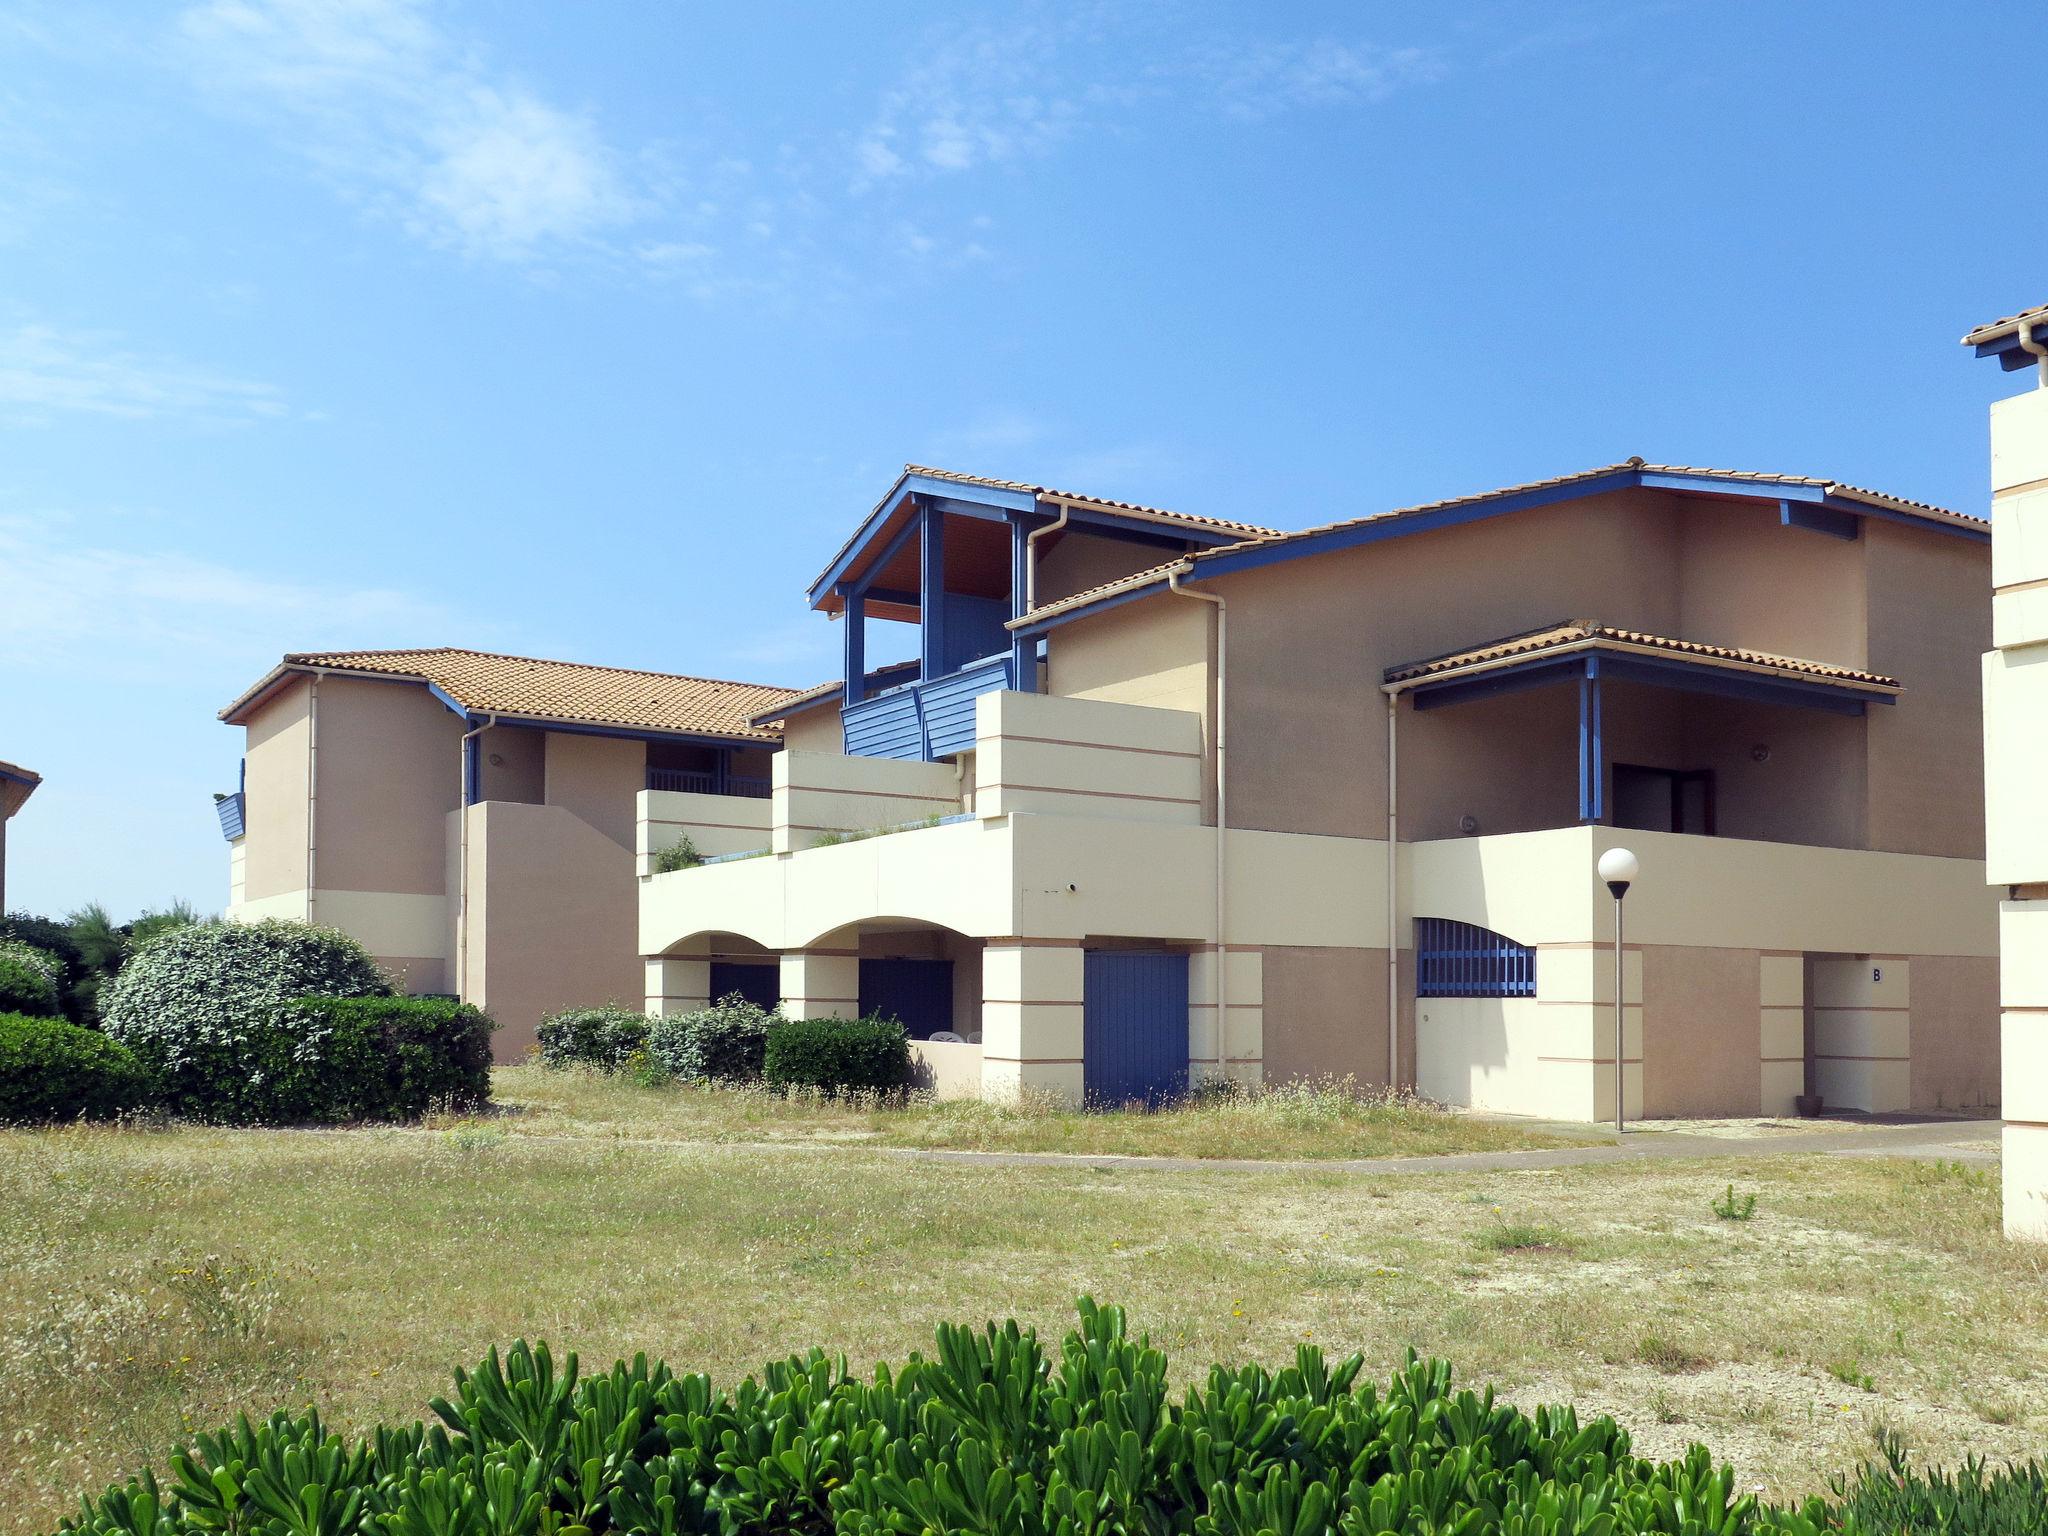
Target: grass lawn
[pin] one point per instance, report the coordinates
(1307, 1122)
(154, 1282)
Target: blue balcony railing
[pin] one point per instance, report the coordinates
(692, 781)
(924, 721)
(229, 809)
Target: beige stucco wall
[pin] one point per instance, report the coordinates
(1326, 1013)
(389, 773)
(1078, 561)
(276, 748)
(551, 918)
(1701, 1047)
(597, 778)
(1930, 624)
(520, 770)
(1744, 579)
(817, 729)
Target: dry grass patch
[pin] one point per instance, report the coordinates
(1305, 1121)
(154, 1282)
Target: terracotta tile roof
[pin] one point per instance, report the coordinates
(1128, 508)
(1157, 574)
(16, 771)
(2006, 326)
(569, 691)
(1588, 634)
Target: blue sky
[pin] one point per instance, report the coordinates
(587, 330)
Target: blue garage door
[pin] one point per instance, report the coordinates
(919, 993)
(1134, 1026)
(760, 985)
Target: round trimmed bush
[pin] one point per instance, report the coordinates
(598, 1039)
(51, 1070)
(203, 1009)
(29, 980)
(724, 1043)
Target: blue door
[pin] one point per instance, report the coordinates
(1134, 1026)
(760, 985)
(917, 993)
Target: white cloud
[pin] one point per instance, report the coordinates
(45, 372)
(1262, 79)
(170, 614)
(387, 105)
(982, 96)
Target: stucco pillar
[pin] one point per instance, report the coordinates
(2016, 792)
(678, 985)
(1575, 1017)
(1031, 1018)
(821, 984)
(1243, 1012)
(1781, 1042)
(1863, 1032)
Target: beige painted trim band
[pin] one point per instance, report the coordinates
(1012, 941)
(1093, 794)
(1594, 1061)
(1036, 1061)
(2020, 586)
(2019, 490)
(1825, 1056)
(1032, 1002)
(1093, 746)
(825, 954)
(868, 794)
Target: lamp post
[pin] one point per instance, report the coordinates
(1618, 867)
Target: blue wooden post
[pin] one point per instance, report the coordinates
(472, 770)
(932, 592)
(1023, 652)
(1592, 751)
(721, 769)
(856, 637)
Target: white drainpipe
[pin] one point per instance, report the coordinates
(312, 791)
(462, 858)
(2035, 350)
(1222, 799)
(1031, 554)
(1393, 892)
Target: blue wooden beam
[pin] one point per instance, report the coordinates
(1543, 672)
(1757, 687)
(1592, 746)
(1023, 651)
(856, 637)
(888, 552)
(932, 588)
(472, 770)
(892, 596)
(1832, 521)
(970, 500)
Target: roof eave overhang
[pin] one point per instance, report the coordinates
(1637, 663)
(283, 675)
(1824, 507)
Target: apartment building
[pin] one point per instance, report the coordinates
(1163, 797)
(472, 818)
(2016, 754)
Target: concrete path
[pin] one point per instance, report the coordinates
(1930, 1140)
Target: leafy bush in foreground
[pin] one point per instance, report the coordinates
(203, 1009)
(53, 1070)
(837, 1055)
(725, 1043)
(383, 1058)
(29, 979)
(990, 1435)
(601, 1039)
(1892, 1496)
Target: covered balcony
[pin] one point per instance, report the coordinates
(959, 558)
(1585, 723)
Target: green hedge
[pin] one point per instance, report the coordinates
(837, 1055)
(29, 980)
(52, 1070)
(202, 1009)
(598, 1039)
(382, 1058)
(725, 1043)
(992, 1434)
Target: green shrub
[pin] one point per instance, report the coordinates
(75, 983)
(597, 1039)
(381, 1058)
(992, 1432)
(725, 1043)
(203, 1009)
(29, 980)
(1893, 1497)
(680, 854)
(51, 1070)
(837, 1055)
